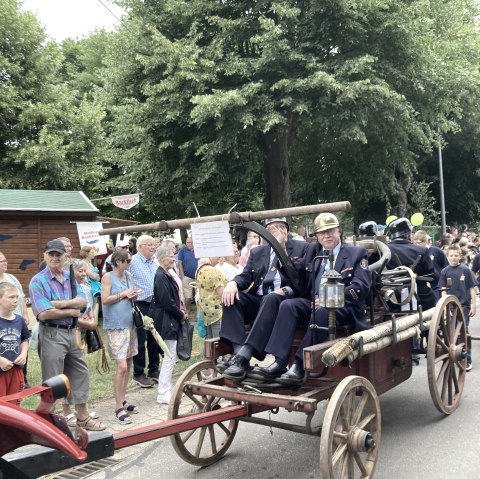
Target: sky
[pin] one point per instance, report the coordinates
(73, 18)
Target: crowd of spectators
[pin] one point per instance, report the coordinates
(161, 277)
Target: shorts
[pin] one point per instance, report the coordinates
(187, 288)
(12, 382)
(122, 343)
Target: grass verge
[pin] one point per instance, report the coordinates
(101, 383)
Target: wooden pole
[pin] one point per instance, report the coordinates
(233, 218)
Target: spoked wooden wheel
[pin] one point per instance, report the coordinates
(447, 354)
(351, 431)
(205, 445)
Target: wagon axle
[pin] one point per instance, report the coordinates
(360, 440)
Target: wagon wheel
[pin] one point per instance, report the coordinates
(351, 431)
(447, 354)
(205, 445)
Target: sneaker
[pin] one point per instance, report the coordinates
(154, 376)
(469, 366)
(143, 381)
(164, 399)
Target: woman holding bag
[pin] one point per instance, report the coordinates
(167, 315)
(117, 291)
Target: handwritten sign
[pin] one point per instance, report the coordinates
(88, 236)
(212, 239)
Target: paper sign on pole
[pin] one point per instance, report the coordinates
(88, 236)
(212, 239)
(126, 201)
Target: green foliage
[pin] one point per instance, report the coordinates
(51, 132)
(239, 102)
(350, 92)
(422, 201)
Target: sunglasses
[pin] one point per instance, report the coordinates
(126, 261)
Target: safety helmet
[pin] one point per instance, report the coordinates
(369, 228)
(278, 219)
(400, 227)
(325, 221)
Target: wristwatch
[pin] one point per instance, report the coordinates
(285, 291)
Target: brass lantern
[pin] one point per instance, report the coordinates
(331, 295)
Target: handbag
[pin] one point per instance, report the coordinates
(184, 340)
(93, 341)
(201, 328)
(136, 313)
(137, 316)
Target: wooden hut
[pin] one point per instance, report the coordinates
(29, 218)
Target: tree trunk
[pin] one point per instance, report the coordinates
(399, 200)
(275, 147)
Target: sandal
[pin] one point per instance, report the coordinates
(94, 415)
(131, 408)
(91, 424)
(122, 416)
(71, 419)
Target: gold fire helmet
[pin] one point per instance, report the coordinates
(325, 221)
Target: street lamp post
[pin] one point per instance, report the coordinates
(442, 194)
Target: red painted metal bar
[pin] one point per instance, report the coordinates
(24, 394)
(21, 427)
(183, 424)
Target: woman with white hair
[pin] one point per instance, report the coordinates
(167, 314)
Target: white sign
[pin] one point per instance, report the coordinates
(88, 236)
(126, 201)
(212, 239)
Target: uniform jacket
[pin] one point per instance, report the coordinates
(166, 308)
(258, 262)
(352, 264)
(440, 261)
(407, 253)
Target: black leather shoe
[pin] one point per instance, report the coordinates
(223, 365)
(270, 372)
(239, 365)
(294, 375)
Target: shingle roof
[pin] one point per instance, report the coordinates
(45, 200)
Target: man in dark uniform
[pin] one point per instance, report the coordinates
(351, 262)
(406, 253)
(438, 257)
(257, 292)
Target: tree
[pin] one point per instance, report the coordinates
(347, 94)
(50, 138)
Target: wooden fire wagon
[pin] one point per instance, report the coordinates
(350, 371)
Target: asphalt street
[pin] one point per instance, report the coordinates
(417, 441)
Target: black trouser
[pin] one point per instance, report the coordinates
(234, 318)
(154, 351)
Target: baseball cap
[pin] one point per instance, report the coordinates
(55, 245)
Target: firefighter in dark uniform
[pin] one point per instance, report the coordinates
(406, 253)
(352, 264)
(258, 290)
